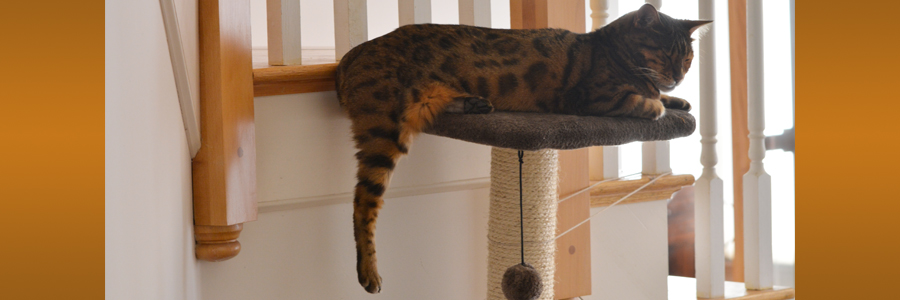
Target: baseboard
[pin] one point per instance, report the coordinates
(320, 200)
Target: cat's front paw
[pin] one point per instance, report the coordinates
(368, 277)
(654, 110)
(675, 103)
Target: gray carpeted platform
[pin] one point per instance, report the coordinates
(533, 131)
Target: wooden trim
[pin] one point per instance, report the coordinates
(684, 288)
(293, 79)
(224, 170)
(609, 192)
(394, 192)
(737, 30)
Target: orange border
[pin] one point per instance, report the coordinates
(847, 149)
(52, 145)
(51, 150)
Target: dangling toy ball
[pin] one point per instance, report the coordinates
(522, 282)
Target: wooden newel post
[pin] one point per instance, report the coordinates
(224, 170)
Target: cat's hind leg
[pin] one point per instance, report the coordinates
(384, 125)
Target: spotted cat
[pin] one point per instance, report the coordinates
(394, 86)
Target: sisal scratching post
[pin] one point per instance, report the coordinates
(539, 182)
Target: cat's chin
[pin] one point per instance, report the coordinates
(665, 88)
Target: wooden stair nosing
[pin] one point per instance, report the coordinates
(609, 192)
(684, 288)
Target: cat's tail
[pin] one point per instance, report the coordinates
(383, 135)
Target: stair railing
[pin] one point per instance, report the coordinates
(225, 212)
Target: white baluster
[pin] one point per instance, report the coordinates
(414, 11)
(793, 70)
(655, 157)
(283, 18)
(475, 12)
(757, 184)
(655, 154)
(609, 155)
(350, 25)
(612, 162)
(709, 238)
(599, 13)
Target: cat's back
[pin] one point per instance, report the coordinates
(423, 46)
(462, 56)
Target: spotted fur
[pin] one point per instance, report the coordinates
(395, 85)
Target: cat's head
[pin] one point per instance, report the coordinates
(659, 45)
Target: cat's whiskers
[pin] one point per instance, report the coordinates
(648, 72)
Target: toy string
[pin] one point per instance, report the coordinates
(521, 214)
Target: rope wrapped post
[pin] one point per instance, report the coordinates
(539, 181)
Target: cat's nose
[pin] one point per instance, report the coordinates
(677, 74)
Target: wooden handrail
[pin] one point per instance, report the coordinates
(294, 73)
(293, 79)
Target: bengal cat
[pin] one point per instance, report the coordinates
(395, 85)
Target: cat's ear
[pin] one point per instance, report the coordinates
(692, 25)
(646, 17)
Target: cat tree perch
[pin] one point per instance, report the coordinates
(541, 135)
(533, 131)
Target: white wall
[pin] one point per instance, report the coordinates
(429, 247)
(432, 245)
(149, 238)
